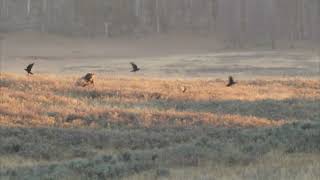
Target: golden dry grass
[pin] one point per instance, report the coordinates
(51, 128)
(55, 101)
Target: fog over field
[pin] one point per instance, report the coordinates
(176, 56)
(223, 89)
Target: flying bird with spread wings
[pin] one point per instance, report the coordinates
(29, 68)
(134, 67)
(231, 82)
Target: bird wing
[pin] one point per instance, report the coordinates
(230, 79)
(88, 77)
(134, 66)
(29, 67)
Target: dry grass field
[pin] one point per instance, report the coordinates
(147, 128)
(142, 125)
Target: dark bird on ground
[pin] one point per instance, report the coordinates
(134, 67)
(89, 79)
(28, 69)
(154, 157)
(231, 82)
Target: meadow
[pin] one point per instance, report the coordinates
(148, 128)
(142, 125)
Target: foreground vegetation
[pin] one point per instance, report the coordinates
(136, 128)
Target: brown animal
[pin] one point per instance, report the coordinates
(86, 80)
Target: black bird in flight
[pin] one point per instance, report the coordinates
(28, 69)
(134, 67)
(231, 82)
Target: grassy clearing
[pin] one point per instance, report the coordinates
(51, 129)
(50, 101)
(273, 165)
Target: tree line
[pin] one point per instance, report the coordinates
(239, 22)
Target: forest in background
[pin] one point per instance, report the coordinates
(239, 22)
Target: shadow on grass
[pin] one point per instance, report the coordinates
(94, 94)
(288, 109)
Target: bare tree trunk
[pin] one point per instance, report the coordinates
(158, 16)
(243, 23)
(273, 24)
(214, 14)
(1, 51)
(2, 8)
(301, 25)
(298, 19)
(318, 21)
(5, 8)
(44, 16)
(28, 7)
(137, 7)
